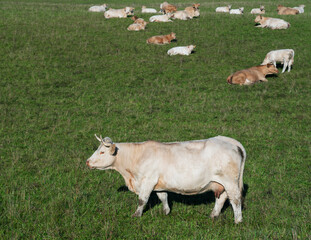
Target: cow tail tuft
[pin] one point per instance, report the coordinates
(242, 152)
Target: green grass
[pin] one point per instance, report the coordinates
(66, 74)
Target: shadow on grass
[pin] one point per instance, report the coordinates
(204, 198)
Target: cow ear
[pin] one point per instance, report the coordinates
(112, 149)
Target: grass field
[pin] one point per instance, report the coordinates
(66, 74)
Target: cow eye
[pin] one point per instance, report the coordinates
(102, 152)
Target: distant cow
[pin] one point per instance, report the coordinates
(237, 11)
(162, 39)
(286, 10)
(285, 56)
(252, 75)
(223, 9)
(273, 23)
(119, 13)
(188, 168)
(193, 11)
(185, 50)
(144, 9)
(161, 18)
(300, 8)
(100, 8)
(260, 10)
(167, 8)
(181, 15)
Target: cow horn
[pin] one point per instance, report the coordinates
(99, 139)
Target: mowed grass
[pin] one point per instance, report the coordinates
(67, 74)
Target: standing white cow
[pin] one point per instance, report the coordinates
(285, 56)
(188, 168)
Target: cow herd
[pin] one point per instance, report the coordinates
(169, 11)
(191, 167)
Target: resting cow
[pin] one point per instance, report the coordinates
(189, 168)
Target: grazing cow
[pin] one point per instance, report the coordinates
(188, 168)
(252, 75)
(100, 8)
(273, 23)
(119, 13)
(181, 15)
(186, 50)
(223, 9)
(237, 11)
(161, 18)
(193, 11)
(286, 10)
(162, 39)
(285, 56)
(167, 8)
(144, 9)
(300, 8)
(260, 10)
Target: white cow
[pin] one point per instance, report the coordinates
(144, 9)
(237, 11)
(119, 13)
(185, 50)
(188, 168)
(181, 15)
(260, 10)
(100, 8)
(285, 56)
(273, 23)
(300, 8)
(223, 9)
(161, 18)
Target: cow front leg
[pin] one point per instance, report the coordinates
(284, 66)
(163, 197)
(143, 196)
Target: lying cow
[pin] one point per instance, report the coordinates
(186, 50)
(188, 168)
(300, 8)
(100, 8)
(286, 10)
(273, 23)
(161, 18)
(139, 24)
(193, 11)
(285, 56)
(260, 10)
(162, 39)
(223, 9)
(167, 8)
(144, 9)
(252, 75)
(119, 13)
(181, 15)
(237, 11)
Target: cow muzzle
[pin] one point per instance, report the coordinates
(88, 164)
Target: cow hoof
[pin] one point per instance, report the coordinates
(137, 214)
(167, 211)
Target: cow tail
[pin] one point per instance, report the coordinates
(242, 152)
(229, 79)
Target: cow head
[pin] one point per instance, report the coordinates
(104, 157)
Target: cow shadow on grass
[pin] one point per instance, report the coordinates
(204, 198)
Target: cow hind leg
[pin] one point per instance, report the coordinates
(235, 198)
(163, 197)
(285, 65)
(219, 203)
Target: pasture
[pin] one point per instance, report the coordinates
(66, 73)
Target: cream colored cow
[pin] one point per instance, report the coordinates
(189, 168)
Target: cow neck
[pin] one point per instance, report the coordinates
(126, 158)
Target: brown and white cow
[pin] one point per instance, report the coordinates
(189, 168)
